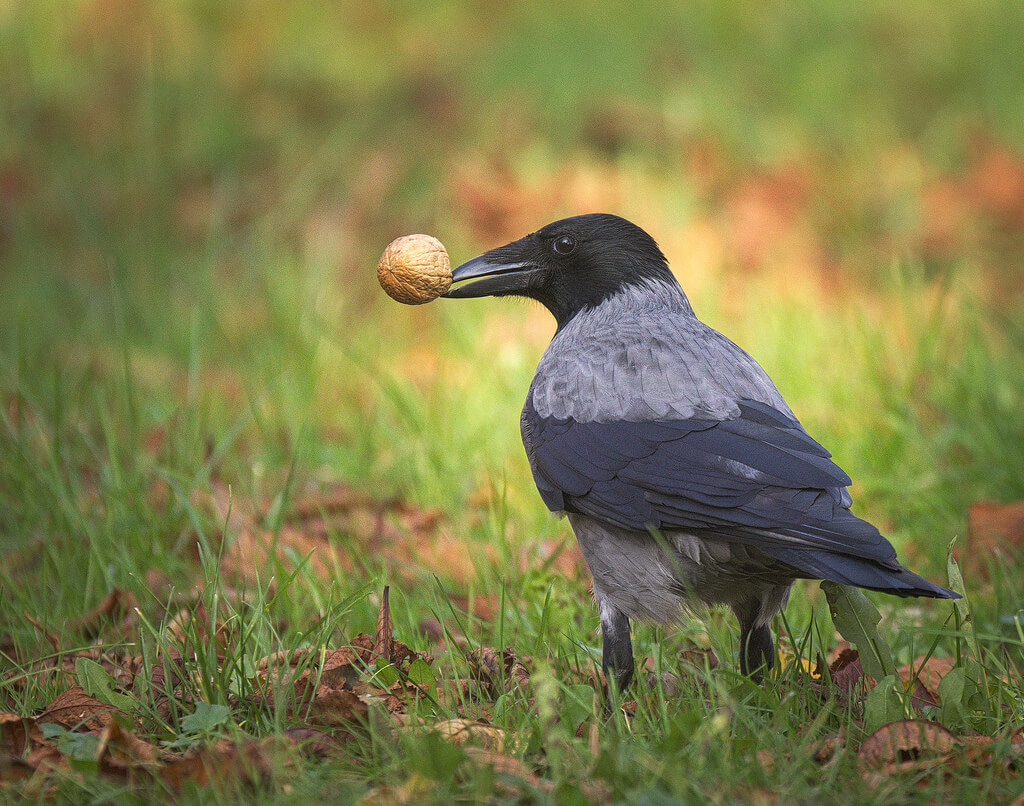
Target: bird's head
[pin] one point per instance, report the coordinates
(569, 265)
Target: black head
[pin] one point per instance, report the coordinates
(569, 265)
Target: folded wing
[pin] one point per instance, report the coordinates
(757, 479)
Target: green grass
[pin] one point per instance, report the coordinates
(192, 200)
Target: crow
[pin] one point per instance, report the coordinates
(683, 473)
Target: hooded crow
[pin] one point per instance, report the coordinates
(682, 471)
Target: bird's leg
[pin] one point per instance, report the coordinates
(617, 649)
(757, 651)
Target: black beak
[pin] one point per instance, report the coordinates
(498, 277)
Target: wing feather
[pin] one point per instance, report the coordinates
(758, 478)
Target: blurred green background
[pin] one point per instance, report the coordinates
(193, 196)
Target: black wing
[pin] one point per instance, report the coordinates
(758, 479)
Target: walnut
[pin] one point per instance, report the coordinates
(414, 269)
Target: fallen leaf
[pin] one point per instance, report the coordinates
(126, 747)
(432, 628)
(846, 671)
(18, 734)
(994, 532)
(483, 606)
(222, 760)
(996, 182)
(699, 657)
(463, 731)
(52, 638)
(908, 740)
(768, 761)
(335, 707)
(928, 671)
(122, 754)
(314, 743)
(384, 638)
(670, 683)
(507, 765)
(922, 678)
(164, 682)
(494, 669)
(416, 789)
(829, 747)
(14, 769)
(408, 536)
(114, 607)
(333, 688)
(76, 710)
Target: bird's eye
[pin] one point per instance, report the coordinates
(564, 244)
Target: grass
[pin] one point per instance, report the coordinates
(187, 234)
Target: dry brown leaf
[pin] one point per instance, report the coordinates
(18, 734)
(327, 671)
(310, 509)
(432, 628)
(698, 657)
(829, 747)
(324, 667)
(996, 182)
(413, 791)
(124, 747)
(845, 670)
(408, 536)
(331, 688)
(384, 639)
(464, 731)
(76, 710)
(928, 671)
(62, 668)
(52, 638)
(14, 768)
(507, 765)
(219, 761)
(195, 621)
(114, 607)
(496, 670)
(335, 707)
(252, 555)
(980, 754)
(926, 674)
(670, 683)
(483, 607)
(768, 761)
(908, 740)
(165, 687)
(122, 754)
(312, 742)
(994, 531)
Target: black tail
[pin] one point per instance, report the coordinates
(885, 576)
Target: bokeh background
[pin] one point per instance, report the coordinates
(193, 197)
(210, 412)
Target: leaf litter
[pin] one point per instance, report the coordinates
(328, 693)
